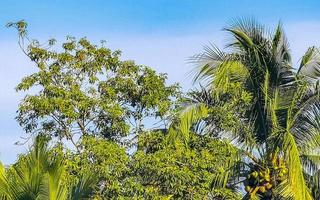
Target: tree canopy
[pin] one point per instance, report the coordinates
(86, 89)
(250, 130)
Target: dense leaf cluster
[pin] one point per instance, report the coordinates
(86, 89)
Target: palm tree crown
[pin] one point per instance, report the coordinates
(277, 128)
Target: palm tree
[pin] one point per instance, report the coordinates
(41, 174)
(278, 132)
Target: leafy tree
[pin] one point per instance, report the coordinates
(155, 170)
(267, 108)
(107, 160)
(85, 89)
(182, 172)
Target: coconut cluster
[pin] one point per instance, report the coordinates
(263, 178)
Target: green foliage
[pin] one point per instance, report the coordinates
(254, 125)
(41, 174)
(155, 170)
(184, 172)
(87, 89)
(106, 159)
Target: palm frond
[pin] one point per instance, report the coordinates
(190, 115)
(84, 187)
(207, 62)
(297, 186)
(310, 64)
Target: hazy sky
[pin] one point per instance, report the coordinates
(158, 33)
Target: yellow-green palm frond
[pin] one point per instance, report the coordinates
(180, 129)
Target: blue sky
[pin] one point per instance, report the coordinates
(158, 33)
